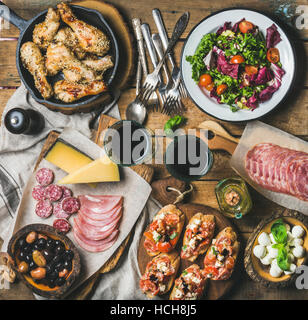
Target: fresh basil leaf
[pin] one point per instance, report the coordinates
(184, 273)
(184, 247)
(173, 123)
(214, 251)
(282, 259)
(279, 231)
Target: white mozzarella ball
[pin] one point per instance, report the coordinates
(272, 238)
(296, 242)
(298, 231)
(275, 271)
(273, 252)
(298, 252)
(259, 251)
(264, 239)
(291, 270)
(267, 260)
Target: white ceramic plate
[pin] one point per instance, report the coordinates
(210, 25)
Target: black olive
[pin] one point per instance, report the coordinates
(56, 259)
(32, 265)
(67, 265)
(47, 254)
(27, 248)
(59, 267)
(53, 275)
(68, 255)
(60, 282)
(21, 243)
(50, 244)
(41, 244)
(22, 256)
(28, 258)
(59, 243)
(59, 250)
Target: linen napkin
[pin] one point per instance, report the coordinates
(19, 153)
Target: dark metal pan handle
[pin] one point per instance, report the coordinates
(10, 16)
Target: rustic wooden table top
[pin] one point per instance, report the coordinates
(291, 117)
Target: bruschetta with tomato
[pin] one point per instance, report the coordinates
(190, 285)
(198, 236)
(221, 256)
(164, 232)
(160, 274)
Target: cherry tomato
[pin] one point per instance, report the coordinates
(172, 219)
(205, 80)
(237, 59)
(250, 70)
(150, 245)
(210, 86)
(245, 26)
(221, 89)
(211, 270)
(273, 55)
(174, 241)
(164, 246)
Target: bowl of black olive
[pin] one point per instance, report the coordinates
(45, 260)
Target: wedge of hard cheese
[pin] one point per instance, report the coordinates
(100, 170)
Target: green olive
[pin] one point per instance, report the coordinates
(31, 237)
(38, 258)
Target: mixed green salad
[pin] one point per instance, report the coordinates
(237, 65)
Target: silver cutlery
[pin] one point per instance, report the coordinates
(165, 41)
(159, 49)
(151, 49)
(173, 104)
(136, 110)
(152, 80)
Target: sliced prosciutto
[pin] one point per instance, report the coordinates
(96, 226)
(279, 169)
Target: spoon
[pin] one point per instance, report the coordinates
(136, 110)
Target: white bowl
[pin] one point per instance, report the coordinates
(210, 25)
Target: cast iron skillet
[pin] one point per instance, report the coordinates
(91, 17)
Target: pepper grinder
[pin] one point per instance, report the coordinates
(21, 121)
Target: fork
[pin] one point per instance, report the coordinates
(152, 80)
(164, 38)
(153, 98)
(173, 103)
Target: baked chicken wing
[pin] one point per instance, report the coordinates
(70, 92)
(68, 37)
(99, 65)
(44, 32)
(60, 58)
(33, 60)
(90, 38)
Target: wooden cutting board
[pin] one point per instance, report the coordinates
(215, 289)
(144, 171)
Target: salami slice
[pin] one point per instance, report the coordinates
(38, 193)
(59, 212)
(44, 208)
(62, 225)
(66, 192)
(44, 176)
(53, 192)
(70, 205)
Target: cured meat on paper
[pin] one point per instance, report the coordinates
(62, 225)
(44, 176)
(44, 208)
(53, 192)
(97, 225)
(279, 169)
(38, 193)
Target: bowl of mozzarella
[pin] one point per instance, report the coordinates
(280, 248)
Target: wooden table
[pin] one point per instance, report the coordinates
(292, 117)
